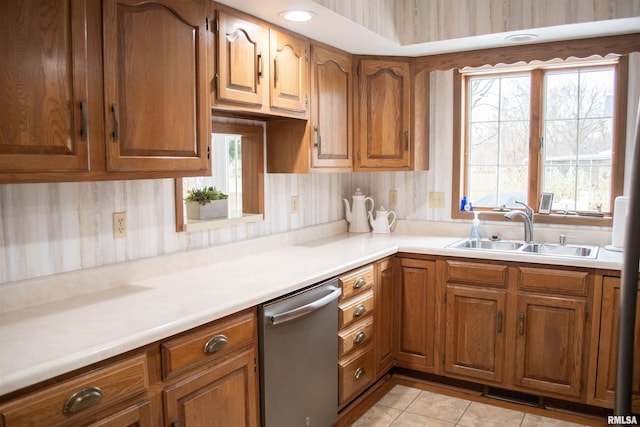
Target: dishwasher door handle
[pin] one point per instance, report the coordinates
(280, 318)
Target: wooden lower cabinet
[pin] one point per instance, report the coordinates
(383, 320)
(475, 333)
(217, 384)
(550, 344)
(356, 335)
(138, 415)
(415, 314)
(106, 396)
(224, 394)
(516, 326)
(607, 351)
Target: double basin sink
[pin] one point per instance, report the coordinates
(533, 248)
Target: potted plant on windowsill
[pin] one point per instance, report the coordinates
(206, 203)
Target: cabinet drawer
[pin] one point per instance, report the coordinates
(356, 336)
(566, 282)
(356, 281)
(476, 274)
(78, 397)
(355, 308)
(209, 343)
(355, 373)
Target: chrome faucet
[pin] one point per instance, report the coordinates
(527, 217)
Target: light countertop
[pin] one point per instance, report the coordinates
(48, 339)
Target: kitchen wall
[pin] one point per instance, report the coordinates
(53, 228)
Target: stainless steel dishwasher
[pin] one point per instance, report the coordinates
(299, 358)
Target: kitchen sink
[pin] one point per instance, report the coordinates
(560, 250)
(535, 248)
(493, 245)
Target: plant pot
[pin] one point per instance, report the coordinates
(209, 210)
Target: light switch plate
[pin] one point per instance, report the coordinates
(393, 197)
(436, 199)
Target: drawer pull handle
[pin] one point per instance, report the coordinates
(500, 315)
(83, 399)
(360, 336)
(359, 373)
(359, 311)
(215, 344)
(359, 283)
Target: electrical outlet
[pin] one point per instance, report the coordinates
(119, 225)
(294, 204)
(436, 199)
(393, 197)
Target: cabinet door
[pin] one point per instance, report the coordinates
(157, 112)
(43, 86)
(134, 416)
(289, 72)
(608, 348)
(242, 59)
(474, 339)
(415, 315)
(220, 395)
(383, 317)
(331, 108)
(550, 338)
(384, 137)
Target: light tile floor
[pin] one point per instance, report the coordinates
(405, 406)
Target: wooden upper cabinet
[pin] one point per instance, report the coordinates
(242, 47)
(157, 112)
(44, 96)
(331, 108)
(289, 72)
(384, 139)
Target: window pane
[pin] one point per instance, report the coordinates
(484, 100)
(498, 149)
(578, 138)
(514, 98)
(483, 144)
(561, 95)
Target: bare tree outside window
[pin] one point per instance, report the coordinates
(498, 139)
(577, 137)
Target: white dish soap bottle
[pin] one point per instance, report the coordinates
(475, 227)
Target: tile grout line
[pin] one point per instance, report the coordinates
(463, 412)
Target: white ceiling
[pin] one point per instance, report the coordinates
(334, 29)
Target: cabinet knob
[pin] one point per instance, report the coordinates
(83, 399)
(359, 283)
(359, 373)
(215, 344)
(360, 336)
(359, 311)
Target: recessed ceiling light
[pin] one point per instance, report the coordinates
(297, 15)
(522, 37)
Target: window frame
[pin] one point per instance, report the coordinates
(460, 147)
